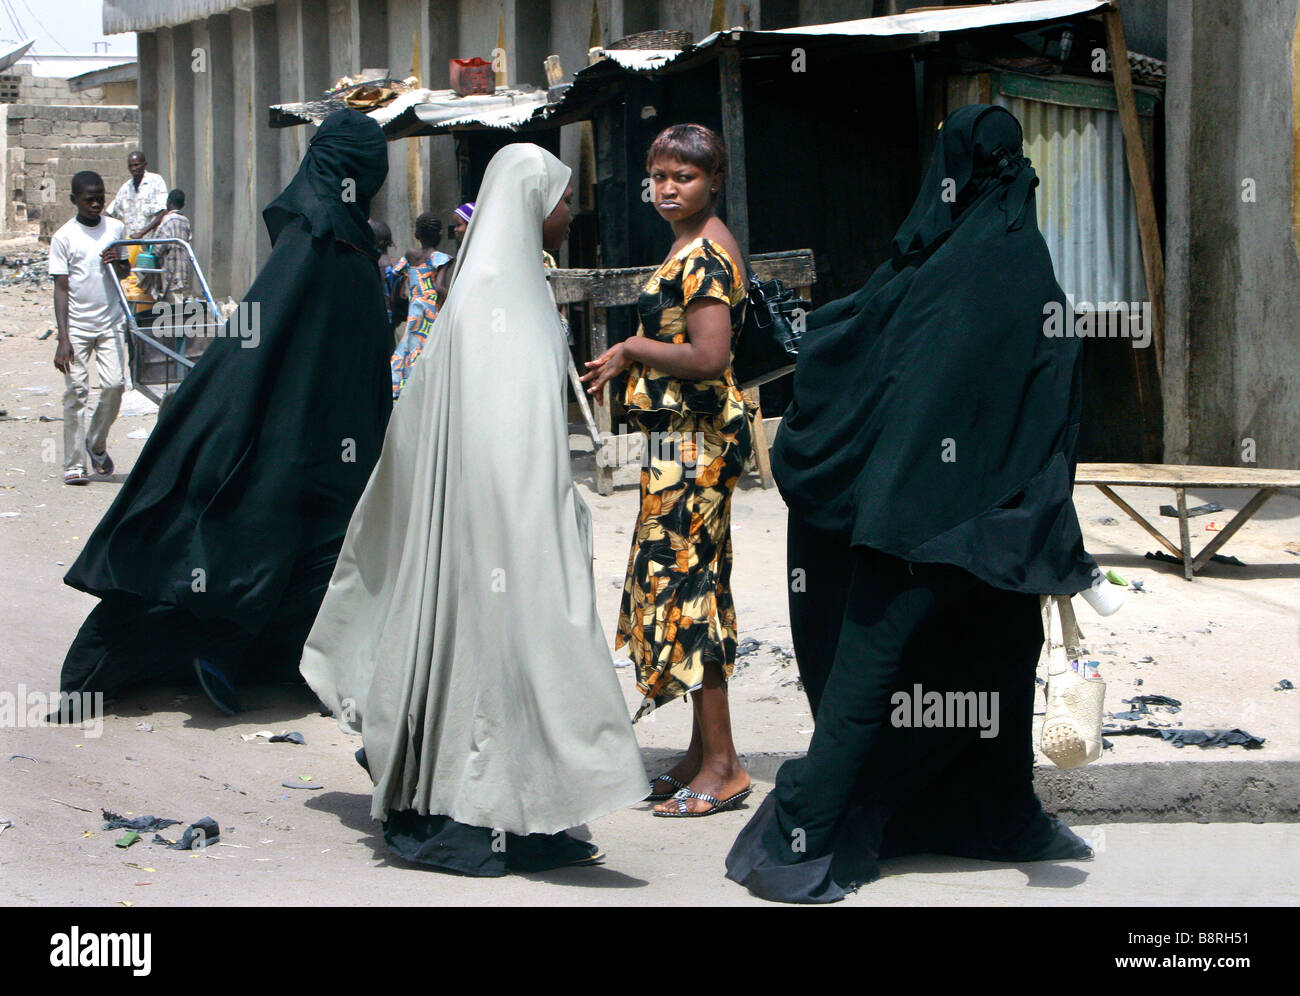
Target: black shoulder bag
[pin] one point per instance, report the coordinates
(769, 339)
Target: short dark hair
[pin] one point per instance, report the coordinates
(176, 198)
(428, 229)
(689, 143)
(86, 178)
(383, 234)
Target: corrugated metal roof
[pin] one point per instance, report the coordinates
(920, 22)
(441, 108)
(1086, 208)
(146, 15)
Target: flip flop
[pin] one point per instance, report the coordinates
(102, 464)
(664, 796)
(217, 687)
(717, 806)
(75, 477)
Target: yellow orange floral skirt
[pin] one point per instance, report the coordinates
(677, 614)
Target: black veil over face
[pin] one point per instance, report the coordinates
(345, 165)
(933, 418)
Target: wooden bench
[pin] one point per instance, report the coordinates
(1107, 476)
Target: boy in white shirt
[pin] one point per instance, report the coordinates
(88, 316)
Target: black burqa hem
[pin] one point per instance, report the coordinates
(866, 627)
(222, 539)
(440, 842)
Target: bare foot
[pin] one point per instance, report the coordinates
(719, 781)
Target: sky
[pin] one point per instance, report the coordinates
(61, 26)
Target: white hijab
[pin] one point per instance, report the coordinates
(459, 632)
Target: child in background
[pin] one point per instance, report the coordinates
(89, 319)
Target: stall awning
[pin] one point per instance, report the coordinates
(442, 111)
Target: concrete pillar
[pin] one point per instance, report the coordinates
(180, 112)
(202, 209)
(146, 48)
(214, 133)
(161, 140)
(532, 41)
(344, 37)
(372, 35)
(255, 150)
(1177, 247)
(293, 82)
(317, 75)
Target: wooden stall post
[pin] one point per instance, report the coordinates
(605, 452)
(733, 136)
(1139, 173)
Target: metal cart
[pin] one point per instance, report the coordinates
(165, 339)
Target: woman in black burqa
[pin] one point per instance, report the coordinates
(927, 460)
(217, 551)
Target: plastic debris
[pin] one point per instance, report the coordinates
(1169, 511)
(144, 727)
(196, 837)
(112, 821)
(127, 839)
(1192, 738)
(302, 784)
(27, 757)
(1113, 577)
(1161, 701)
(1284, 686)
(288, 738)
(5, 825)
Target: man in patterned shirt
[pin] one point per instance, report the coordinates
(140, 201)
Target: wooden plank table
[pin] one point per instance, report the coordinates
(1107, 476)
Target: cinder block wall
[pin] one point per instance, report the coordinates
(35, 133)
(108, 159)
(51, 89)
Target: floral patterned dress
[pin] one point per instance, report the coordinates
(420, 315)
(677, 614)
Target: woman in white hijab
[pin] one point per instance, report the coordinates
(459, 633)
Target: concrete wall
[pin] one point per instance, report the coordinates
(1233, 275)
(50, 89)
(108, 159)
(33, 135)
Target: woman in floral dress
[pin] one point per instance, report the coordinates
(677, 618)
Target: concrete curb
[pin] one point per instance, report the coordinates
(1139, 792)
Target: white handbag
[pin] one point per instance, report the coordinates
(1072, 727)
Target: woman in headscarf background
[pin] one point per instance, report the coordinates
(677, 618)
(217, 550)
(927, 460)
(459, 634)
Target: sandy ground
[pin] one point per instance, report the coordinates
(1220, 644)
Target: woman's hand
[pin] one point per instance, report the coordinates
(605, 368)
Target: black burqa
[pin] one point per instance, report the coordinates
(933, 418)
(927, 460)
(223, 538)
